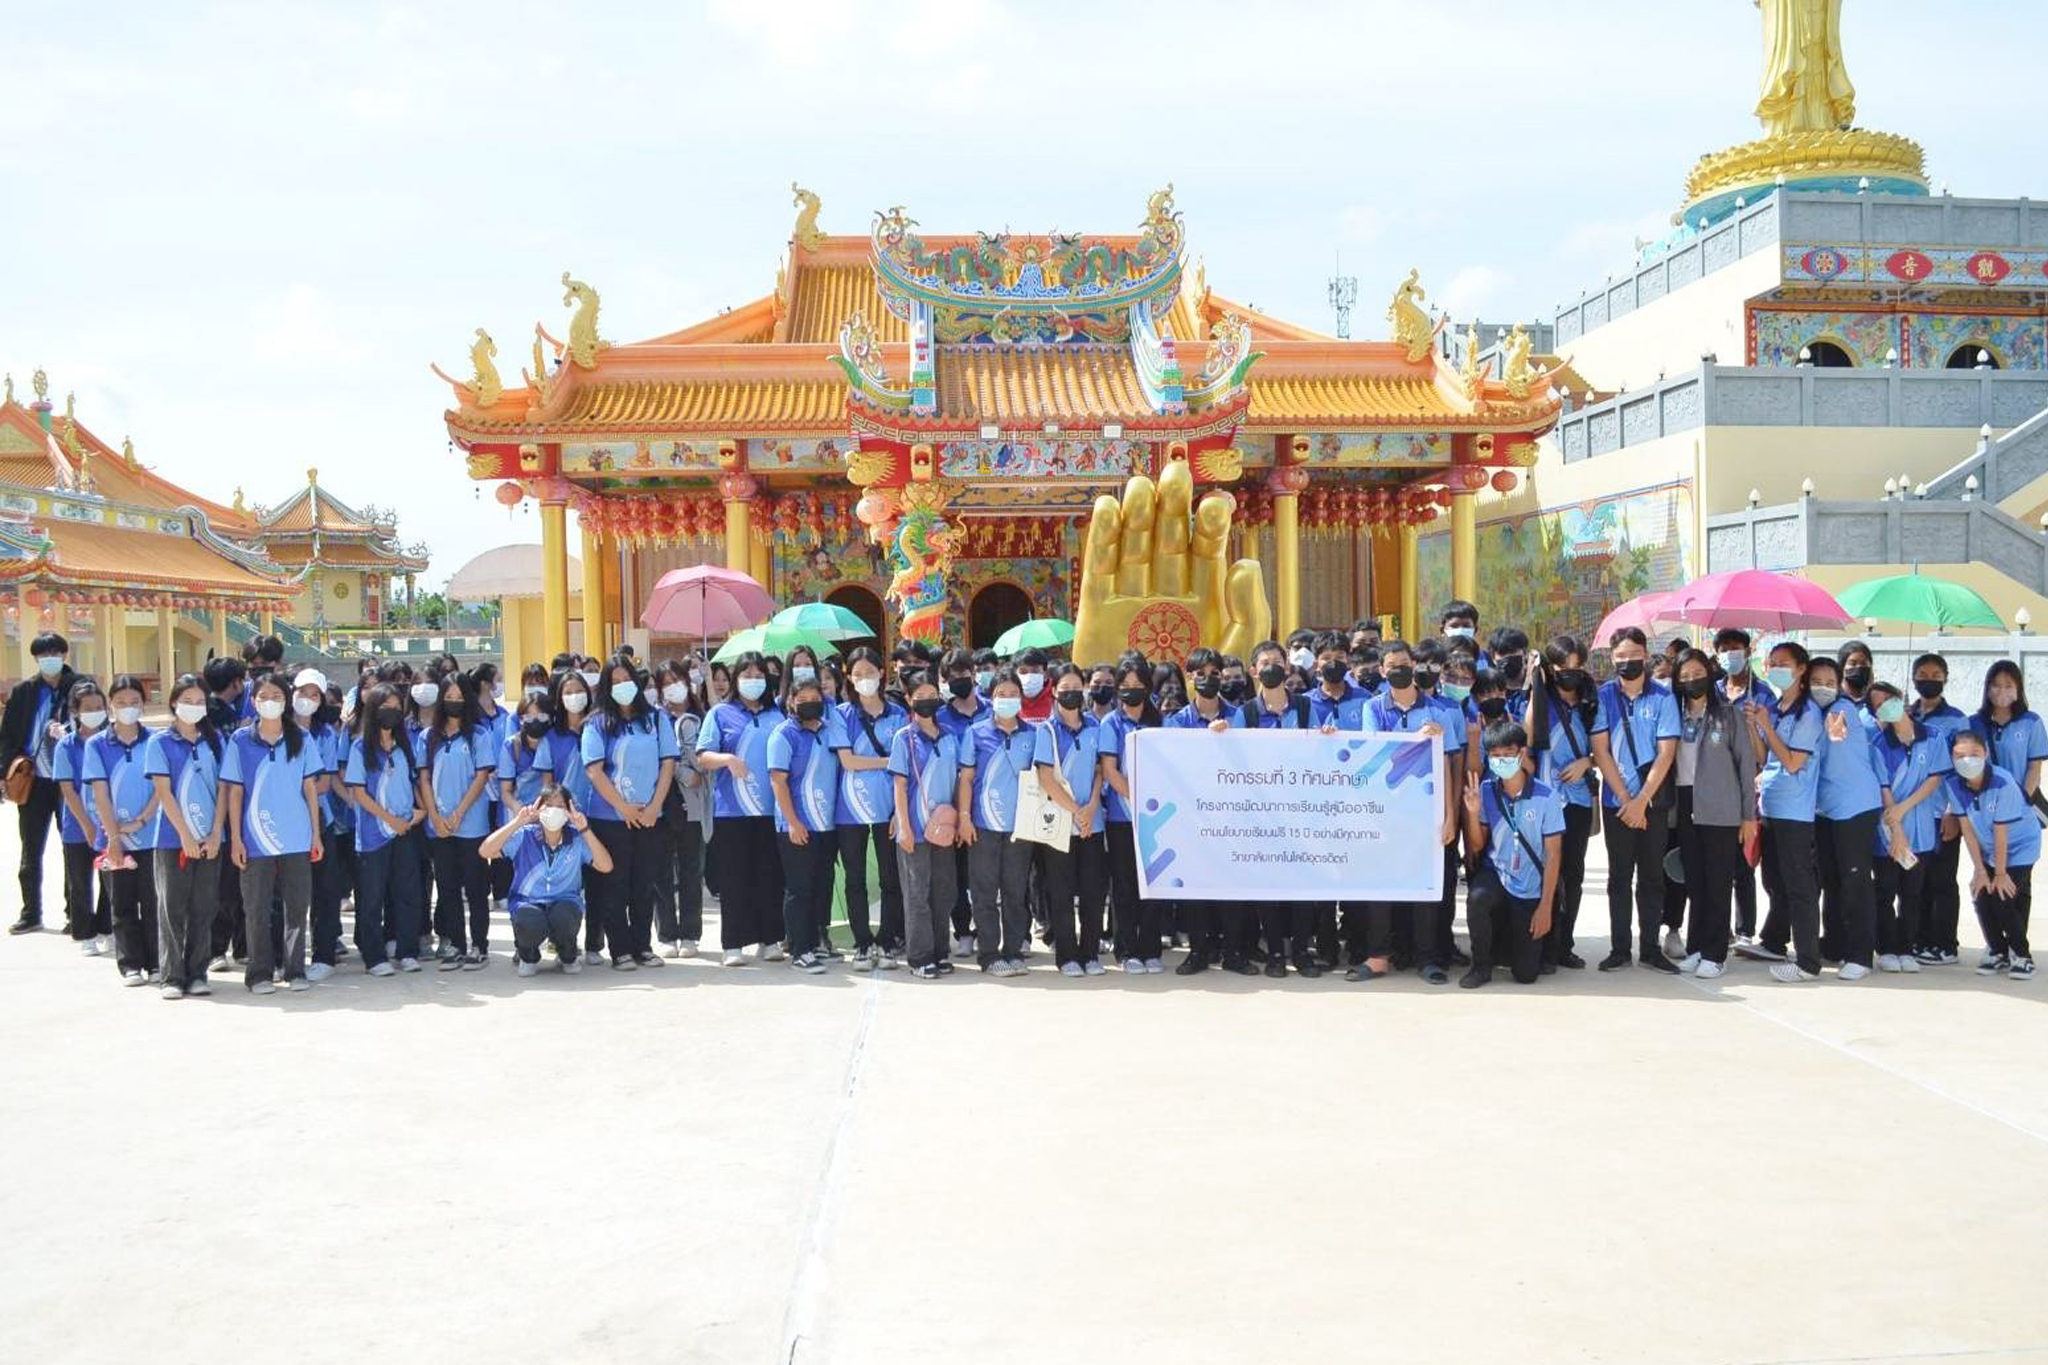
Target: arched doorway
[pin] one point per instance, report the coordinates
(1970, 355)
(863, 603)
(994, 609)
(1827, 355)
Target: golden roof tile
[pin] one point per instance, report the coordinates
(737, 405)
(1079, 384)
(1377, 400)
(146, 559)
(826, 295)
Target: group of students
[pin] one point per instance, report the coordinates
(594, 802)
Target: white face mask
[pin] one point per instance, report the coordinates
(624, 692)
(752, 688)
(305, 706)
(191, 712)
(1032, 683)
(533, 691)
(128, 715)
(867, 687)
(675, 694)
(803, 673)
(553, 818)
(91, 720)
(1302, 658)
(696, 677)
(425, 693)
(589, 679)
(270, 708)
(575, 703)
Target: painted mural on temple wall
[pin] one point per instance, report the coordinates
(1561, 569)
(768, 456)
(807, 570)
(1027, 459)
(2017, 342)
(1777, 334)
(1922, 340)
(1048, 583)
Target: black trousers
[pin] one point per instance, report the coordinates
(230, 933)
(2005, 918)
(1635, 876)
(806, 888)
(1571, 882)
(1075, 883)
(1745, 900)
(1383, 936)
(749, 881)
(1793, 879)
(131, 894)
(962, 912)
(1220, 930)
(1290, 928)
(1498, 924)
(387, 903)
(1899, 891)
(84, 915)
(1710, 854)
(626, 893)
(679, 907)
(331, 881)
(459, 875)
(35, 815)
(1848, 892)
(1941, 898)
(1140, 924)
(854, 842)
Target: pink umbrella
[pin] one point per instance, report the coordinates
(705, 600)
(1642, 612)
(1756, 597)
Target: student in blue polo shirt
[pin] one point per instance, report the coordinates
(732, 745)
(1140, 925)
(924, 767)
(2012, 734)
(271, 775)
(2004, 839)
(380, 777)
(549, 844)
(1067, 759)
(965, 705)
(321, 718)
(803, 773)
(1848, 805)
(520, 779)
(630, 753)
(1635, 744)
(456, 759)
(995, 758)
(87, 915)
(1403, 706)
(560, 759)
(1217, 930)
(183, 763)
(1911, 761)
(868, 722)
(1560, 722)
(1788, 790)
(1336, 702)
(1514, 827)
(1941, 896)
(125, 806)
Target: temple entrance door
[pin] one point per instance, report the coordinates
(994, 609)
(862, 603)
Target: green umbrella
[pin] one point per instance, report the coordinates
(1921, 601)
(826, 620)
(1047, 632)
(771, 639)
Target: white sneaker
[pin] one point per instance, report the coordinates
(1093, 967)
(172, 992)
(526, 968)
(1790, 973)
(408, 964)
(686, 947)
(1909, 964)
(105, 944)
(1888, 962)
(298, 983)
(1134, 966)
(1674, 946)
(1154, 966)
(90, 947)
(572, 965)
(772, 952)
(669, 948)
(133, 977)
(198, 987)
(963, 945)
(219, 964)
(887, 961)
(734, 958)
(1071, 969)
(383, 969)
(319, 971)
(1755, 950)
(263, 988)
(1707, 971)
(2022, 969)
(1689, 964)
(1991, 964)
(1852, 971)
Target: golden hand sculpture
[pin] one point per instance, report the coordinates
(1153, 582)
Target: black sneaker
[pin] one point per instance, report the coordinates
(1655, 960)
(1193, 964)
(945, 968)
(27, 924)
(1275, 968)
(2022, 969)
(1256, 953)
(928, 972)
(1241, 966)
(1460, 958)
(1307, 968)
(1475, 978)
(1549, 969)
(1614, 961)
(1572, 961)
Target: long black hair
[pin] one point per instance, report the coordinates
(371, 708)
(439, 736)
(1142, 671)
(294, 737)
(2004, 668)
(208, 731)
(615, 716)
(1543, 697)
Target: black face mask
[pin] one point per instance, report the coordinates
(1069, 698)
(1133, 696)
(454, 708)
(1425, 678)
(1857, 676)
(1629, 669)
(1235, 690)
(810, 710)
(1103, 694)
(1207, 686)
(1272, 675)
(391, 718)
(1929, 688)
(1692, 689)
(1512, 669)
(1570, 679)
(961, 688)
(533, 729)
(1368, 677)
(925, 706)
(1333, 672)
(1400, 678)
(1493, 708)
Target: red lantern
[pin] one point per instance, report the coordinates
(509, 494)
(1441, 497)
(1504, 480)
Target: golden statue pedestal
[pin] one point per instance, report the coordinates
(1830, 158)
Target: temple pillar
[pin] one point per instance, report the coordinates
(1465, 543)
(266, 622)
(554, 578)
(117, 640)
(1411, 580)
(737, 490)
(763, 555)
(595, 635)
(166, 654)
(220, 630)
(1285, 484)
(30, 621)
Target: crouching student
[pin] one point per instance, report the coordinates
(2004, 840)
(548, 843)
(1514, 828)
(924, 768)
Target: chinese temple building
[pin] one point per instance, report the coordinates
(349, 558)
(96, 545)
(925, 422)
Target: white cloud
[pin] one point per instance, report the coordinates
(1361, 224)
(1472, 290)
(793, 32)
(378, 106)
(299, 330)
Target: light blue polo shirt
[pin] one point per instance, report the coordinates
(559, 759)
(2013, 745)
(932, 768)
(453, 765)
(866, 797)
(811, 767)
(392, 789)
(1633, 729)
(1903, 767)
(1788, 795)
(516, 765)
(1346, 712)
(194, 775)
(1849, 784)
(1114, 741)
(1188, 718)
(632, 755)
(733, 729)
(2002, 802)
(1537, 813)
(1076, 753)
(543, 875)
(1570, 741)
(275, 822)
(120, 766)
(998, 761)
(67, 759)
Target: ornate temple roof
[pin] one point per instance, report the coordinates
(314, 526)
(1020, 385)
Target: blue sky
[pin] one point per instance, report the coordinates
(242, 231)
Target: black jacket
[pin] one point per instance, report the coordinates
(20, 714)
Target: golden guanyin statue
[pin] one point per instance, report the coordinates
(1805, 87)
